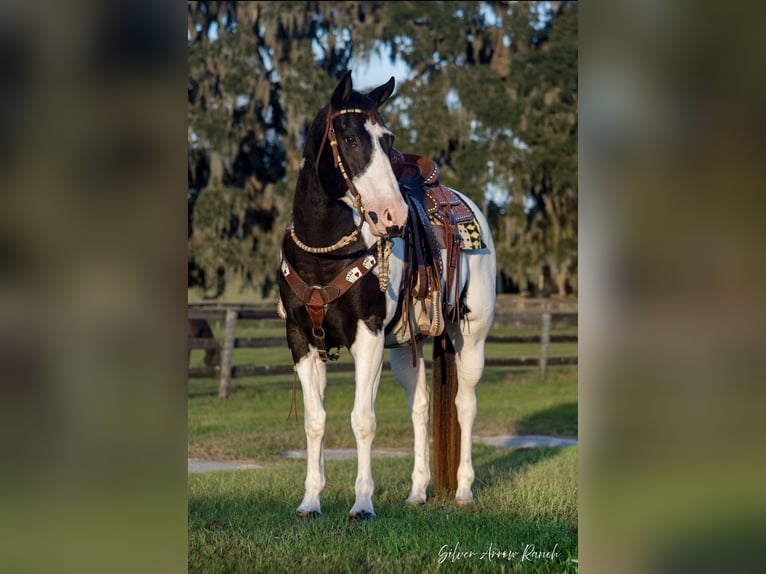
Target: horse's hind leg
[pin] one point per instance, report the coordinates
(413, 380)
(313, 376)
(469, 359)
(468, 338)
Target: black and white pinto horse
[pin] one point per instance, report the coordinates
(347, 198)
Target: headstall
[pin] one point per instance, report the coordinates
(316, 298)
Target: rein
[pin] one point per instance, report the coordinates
(329, 135)
(342, 242)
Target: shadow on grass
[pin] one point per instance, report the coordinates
(493, 465)
(559, 420)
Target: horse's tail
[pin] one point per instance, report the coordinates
(446, 433)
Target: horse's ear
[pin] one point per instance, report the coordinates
(342, 91)
(381, 94)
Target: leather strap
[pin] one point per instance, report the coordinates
(329, 136)
(316, 298)
(416, 209)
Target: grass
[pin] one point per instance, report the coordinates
(252, 425)
(244, 521)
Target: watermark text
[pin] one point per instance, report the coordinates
(524, 553)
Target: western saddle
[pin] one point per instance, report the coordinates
(439, 220)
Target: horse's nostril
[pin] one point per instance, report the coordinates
(389, 217)
(373, 216)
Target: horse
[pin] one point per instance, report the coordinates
(200, 328)
(343, 282)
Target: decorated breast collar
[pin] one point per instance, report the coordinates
(316, 298)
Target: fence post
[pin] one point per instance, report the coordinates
(545, 338)
(227, 353)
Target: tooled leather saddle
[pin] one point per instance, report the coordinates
(438, 220)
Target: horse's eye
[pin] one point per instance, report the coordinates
(350, 140)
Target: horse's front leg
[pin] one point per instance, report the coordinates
(313, 376)
(367, 351)
(413, 380)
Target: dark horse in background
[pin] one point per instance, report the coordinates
(349, 225)
(200, 329)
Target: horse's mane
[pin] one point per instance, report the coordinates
(315, 134)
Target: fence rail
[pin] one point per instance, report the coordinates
(232, 313)
(502, 316)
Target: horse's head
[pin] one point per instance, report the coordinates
(360, 144)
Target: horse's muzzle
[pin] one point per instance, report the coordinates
(387, 219)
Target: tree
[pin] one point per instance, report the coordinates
(494, 98)
(258, 71)
(491, 95)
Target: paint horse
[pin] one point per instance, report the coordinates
(348, 280)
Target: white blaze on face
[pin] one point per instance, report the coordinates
(378, 186)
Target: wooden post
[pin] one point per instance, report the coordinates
(446, 430)
(227, 353)
(545, 338)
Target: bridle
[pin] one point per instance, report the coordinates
(317, 298)
(329, 135)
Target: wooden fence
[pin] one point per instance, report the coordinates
(546, 317)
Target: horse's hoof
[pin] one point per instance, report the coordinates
(308, 513)
(416, 502)
(361, 515)
(463, 501)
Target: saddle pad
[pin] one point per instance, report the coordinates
(469, 230)
(471, 234)
(440, 200)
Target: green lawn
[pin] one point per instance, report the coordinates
(251, 424)
(244, 521)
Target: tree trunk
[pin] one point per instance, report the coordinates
(561, 278)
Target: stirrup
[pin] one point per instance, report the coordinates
(430, 320)
(437, 318)
(423, 320)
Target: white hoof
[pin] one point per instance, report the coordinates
(416, 499)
